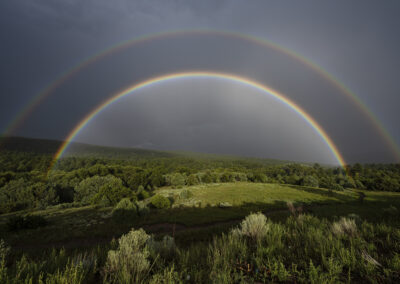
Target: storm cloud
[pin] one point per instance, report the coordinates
(357, 42)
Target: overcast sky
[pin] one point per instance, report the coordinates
(355, 41)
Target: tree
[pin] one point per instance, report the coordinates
(112, 191)
(160, 202)
(192, 180)
(125, 210)
(89, 187)
(177, 180)
(309, 180)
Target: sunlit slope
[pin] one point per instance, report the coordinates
(242, 193)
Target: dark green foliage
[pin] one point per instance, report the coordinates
(142, 208)
(125, 211)
(89, 187)
(176, 180)
(143, 194)
(192, 180)
(160, 202)
(16, 223)
(309, 180)
(111, 192)
(104, 175)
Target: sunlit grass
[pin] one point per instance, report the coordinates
(241, 193)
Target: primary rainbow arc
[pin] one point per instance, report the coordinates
(48, 90)
(267, 90)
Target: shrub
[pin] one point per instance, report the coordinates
(16, 223)
(337, 187)
(254, 226)
(111, 192)
(291, 208)
(192, 180)
(4, 249)
(142, 208)
(88, 188)
(177, 180)
(129, 262)
(344, 226)
(168, 275)
(185, 194)
(125, 204)
(165, 248)
(224, 205)
(356, 218)
(241, 177)
(143, 195)
(160, 202)
(309, 180)
(72, 273)
(125, 210)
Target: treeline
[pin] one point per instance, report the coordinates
(25, 182)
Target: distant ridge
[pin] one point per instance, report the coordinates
(50, 147)
(34, 145)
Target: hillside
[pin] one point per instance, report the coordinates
(75, 149)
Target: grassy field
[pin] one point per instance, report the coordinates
(242, 193)
(196, 218)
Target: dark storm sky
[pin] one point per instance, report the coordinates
(355, 41)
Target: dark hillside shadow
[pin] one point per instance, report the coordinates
(187, 224)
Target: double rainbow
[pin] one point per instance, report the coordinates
(265, 89)
(22, 115)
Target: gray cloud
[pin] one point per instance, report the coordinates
(355, 41)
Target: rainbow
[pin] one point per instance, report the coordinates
(267, 90)
(17, 121)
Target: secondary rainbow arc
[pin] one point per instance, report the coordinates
(17, 121)
(267, 90)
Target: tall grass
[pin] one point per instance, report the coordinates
(303, 249)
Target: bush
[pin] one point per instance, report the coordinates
(16, 223)
(344, 226)
(337, 187)
(160, 202)
(143, 195)
(177, 180)
(111, 192)
(129, 262)
(224, 205)
(255, 226)
(185, 194)
(142, 208)
(125, 210)
(192, 180)
(356, 218)
(309, 180)
(4, 249)
(165, 248)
